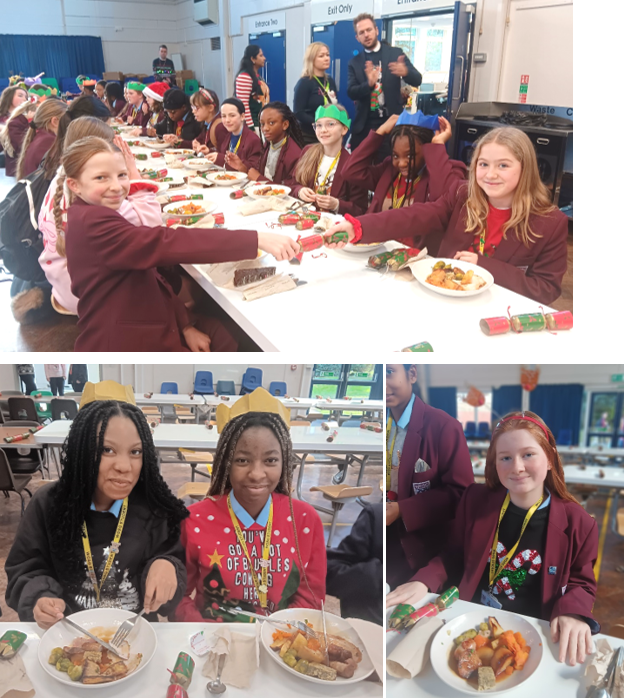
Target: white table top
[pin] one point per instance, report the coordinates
(354, 405)
(197, 436)
(342, 299)
(596, 451)
(169, 399)
(269, 679)
(550, 679)
(302, 403)
(590, 475)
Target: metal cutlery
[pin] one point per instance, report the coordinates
(106, 645)
(125, 628)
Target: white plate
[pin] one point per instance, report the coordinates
(198, 164)
(443, 645)
(240, 178)
(208, 207)
(179, 153)
(263, 185)
(142, 639)
(334, 626)
(423, 268)
(154, 144)
(162, 186)
(362, 249)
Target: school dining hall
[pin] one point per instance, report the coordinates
(222, 175)
(230, 493)
(504, 530)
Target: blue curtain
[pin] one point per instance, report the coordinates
(444, 399)
(560, 407)
(58, 56)
(507, 398)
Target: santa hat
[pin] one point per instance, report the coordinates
(156, 90)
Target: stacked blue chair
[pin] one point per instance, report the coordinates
(565, 437)
(226, 388)
(483, 430)
(470, 430)
(277, 388)
(169, 388)
(252, 379)
(203, 384)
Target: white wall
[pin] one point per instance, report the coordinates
(8, 377)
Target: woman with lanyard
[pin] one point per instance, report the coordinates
(319, 175)
(314, 89)
(107, 533)
(249, 545)
(241, 147)
(521, 542)
(205, 107)
(428, 469)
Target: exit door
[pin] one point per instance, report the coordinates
(340, 38)
(274, 71)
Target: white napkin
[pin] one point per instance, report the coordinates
(269, 287)
(242, 656)
(14, 682)
(411, 655)
(599, 665)
(372, 637)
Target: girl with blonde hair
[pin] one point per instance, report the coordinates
(502, 219)
(40, 135)
(314, 89)
(13, 133)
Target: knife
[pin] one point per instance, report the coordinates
(106, 645)
(325, 635)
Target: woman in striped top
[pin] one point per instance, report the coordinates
(248, 87)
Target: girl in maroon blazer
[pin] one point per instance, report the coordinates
(40, 135)
(137, 115)
(241, 148)
(283, 145)
(428, 469)
(319, 174)
(13, 133)
(205, 108)
(502, 219)
(419, 169)
(124, 304)
(521, 542)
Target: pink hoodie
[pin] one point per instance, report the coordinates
(140, 208)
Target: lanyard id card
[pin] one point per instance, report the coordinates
(489, 600)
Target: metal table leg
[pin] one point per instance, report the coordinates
(300, 477)
(361, 474)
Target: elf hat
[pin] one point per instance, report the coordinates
(258, 401)
(331, 111)
(107, 390)
(136, 86)
(156, 90)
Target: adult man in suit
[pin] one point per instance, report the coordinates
(374, 82)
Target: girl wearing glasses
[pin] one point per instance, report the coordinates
(205, 108)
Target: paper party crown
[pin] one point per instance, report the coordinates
(331, 111)
(136, 86)
(258, 401)
(418, 118)
(107, 390)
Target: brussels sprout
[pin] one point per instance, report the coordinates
(74, 672)
(465, 636)
(484, 626)
(439, 265)
(64, 664)
(301, 666)
(290, 659)
(55, 655)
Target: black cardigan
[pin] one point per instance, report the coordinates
(190, 131)
(307, 98)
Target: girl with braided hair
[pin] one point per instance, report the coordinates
(107, 533)
(249, 518)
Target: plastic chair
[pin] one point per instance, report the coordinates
(44, 411)
(353, 423)
(167, 388)
(565, 437)
(470, 430)
(12, 482)
(64, 408)
(203, 384)
(483, 430)
(252, 379)
(277, 388)
(23, 408)
(51, 82)
(226, 388)
(24, 463)
(339, 495)
(191, 86)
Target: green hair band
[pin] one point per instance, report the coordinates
(331, 111)
(136, 86)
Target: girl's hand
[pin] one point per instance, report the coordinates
(144, 108)
(133, 172)
(308, 195)
(327, 203)
(388, 125)
(574, 637)
(203, 150)
(235, 161)
(444, 134)
(466, 256)
(195, 144)
(392, 512)
(196, 340)
(150, 131)
(411, 593)
(170, 138)
(281, 247)
(211, 157)
(135, 132)
(343, 225)
(160, 585)
(48, 611)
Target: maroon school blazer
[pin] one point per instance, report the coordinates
(426, 517)
(38, 147)
(217, 129)
(439, 175)
(17, 132)
(352, 197)
(535, 272)
(249, 151)
(141, 119)
(290, 153)
(571, 547)
(124, 303)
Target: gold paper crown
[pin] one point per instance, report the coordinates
(107, 390)
(258, 401)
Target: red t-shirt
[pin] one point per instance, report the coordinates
(218, 570)
(495, 221)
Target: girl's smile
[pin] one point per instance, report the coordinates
(231, 119)
(103, 181)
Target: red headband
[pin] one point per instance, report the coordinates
(528, 419)
(207, 95)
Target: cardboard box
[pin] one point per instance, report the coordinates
(180, 83)
(113, 76)
(185, 74)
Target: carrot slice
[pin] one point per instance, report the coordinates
(520, 639)
(480, 641)
(509, 670)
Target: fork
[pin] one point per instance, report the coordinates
(298, 624)
(124, 629)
